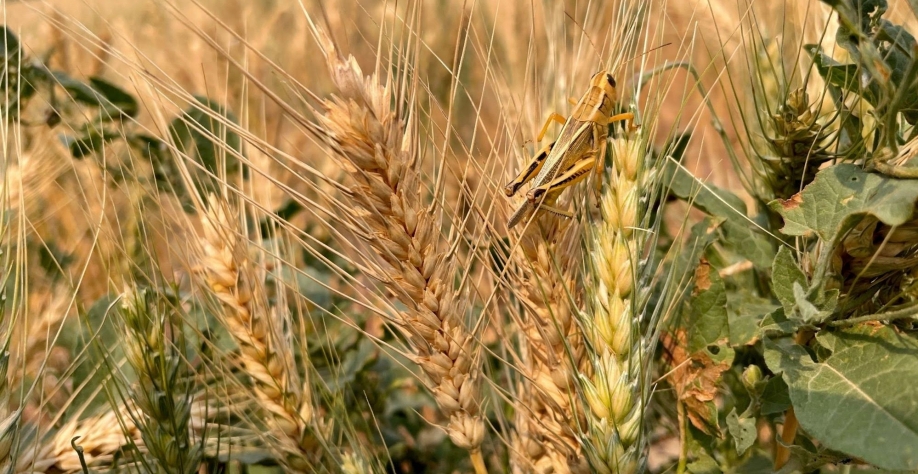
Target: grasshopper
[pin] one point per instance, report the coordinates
(579, 148)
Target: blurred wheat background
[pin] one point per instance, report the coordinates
(326, 282)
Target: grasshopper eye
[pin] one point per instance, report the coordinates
(610, 80)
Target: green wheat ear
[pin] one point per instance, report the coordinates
(611, 384)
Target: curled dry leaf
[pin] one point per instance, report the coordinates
(694, 378)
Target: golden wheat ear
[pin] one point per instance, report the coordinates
(378, 146)
(264, 353)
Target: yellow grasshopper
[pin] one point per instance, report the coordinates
(579, 148)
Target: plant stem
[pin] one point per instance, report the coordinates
(683, 450)
(478, 461)
(788, 433)
(909, 311)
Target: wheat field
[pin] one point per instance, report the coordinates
(280, 242)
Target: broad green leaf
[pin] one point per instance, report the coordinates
(855, 402)
(91, 142)
(77, 90)
(704, 465)
(702, 235)
(202, 133)
(707, 316)
(115, 101)
(843, 76)
(774, 397)
(10, 43)
(840, 194)
(711, 199)
(95, 336)
(745, 312)
(808, 312)
(742, 430)
(776, 324)
(759, 463)
(741, 234)
(744, 239)
(784, 274)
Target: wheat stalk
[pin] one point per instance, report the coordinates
(263, 353)
(547, 407)
(610, 386)
(377, 147)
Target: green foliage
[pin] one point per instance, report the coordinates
(823, 325)
(100, 114)
(853, 400)
(840, 196)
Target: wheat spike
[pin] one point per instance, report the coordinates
(610, 385)
(163, 391)
(376, 145)
(547, 407)
(100, 436)
(263, 353)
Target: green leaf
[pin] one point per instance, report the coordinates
(756, 464)
(742, 430)
(115, 101)
(92, 142)
(704, 465)
(707, 323)
(784, 275)
(808, 312)
(746, 240)
(776, 324)
(702, 235)
(843, 76)
(10, 43)
(774, 397)
(77, 90)
(855, 402)
(840, 194)
(201, 132)
(741, 235)
(745, 312)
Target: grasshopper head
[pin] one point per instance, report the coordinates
(604, 82)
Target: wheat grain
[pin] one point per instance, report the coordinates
(378, 148)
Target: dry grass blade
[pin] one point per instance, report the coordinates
(377, 146)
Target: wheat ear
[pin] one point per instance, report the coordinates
(610, 386)
(377, 147)
(163, 392)
(547, 405)
(100, 437)
(264, 354)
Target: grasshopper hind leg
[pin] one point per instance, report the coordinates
(531, 170)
